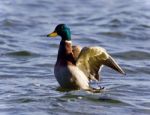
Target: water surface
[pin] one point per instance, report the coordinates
(27, 82)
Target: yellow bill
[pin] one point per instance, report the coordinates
(53, 34)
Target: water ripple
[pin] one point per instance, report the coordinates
(27, 56)
(133, 55)
(21, 54)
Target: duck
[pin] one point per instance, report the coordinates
(75, 66)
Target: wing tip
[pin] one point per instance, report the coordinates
(110, 62)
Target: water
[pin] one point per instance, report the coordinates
(27, 82)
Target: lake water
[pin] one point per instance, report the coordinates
(27, 82)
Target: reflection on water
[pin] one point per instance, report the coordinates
(27, 83)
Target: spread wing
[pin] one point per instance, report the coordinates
(91, 59)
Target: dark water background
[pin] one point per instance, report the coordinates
(27, 57)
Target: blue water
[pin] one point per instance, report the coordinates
(27, 82)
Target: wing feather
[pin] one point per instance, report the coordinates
(91, 59)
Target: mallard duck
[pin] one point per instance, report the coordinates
(76, 67)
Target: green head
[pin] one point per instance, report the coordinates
(61, 30)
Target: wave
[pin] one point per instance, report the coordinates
(133, 55)
(21, 53)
